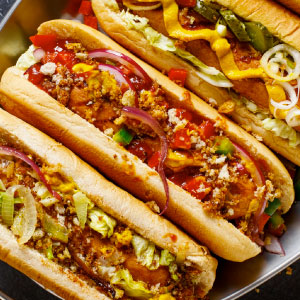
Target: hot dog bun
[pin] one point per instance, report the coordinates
(258, 11)
(105, 195)
(36, 107)
(291, 4)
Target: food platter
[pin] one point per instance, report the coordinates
(233, 279)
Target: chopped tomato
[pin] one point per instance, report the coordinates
(198, 187)
(242, 169)
(86, 8)
(67, 58)
(140, 149)
(72, 7)
(207, 130)
(91, 21)
(45, 41)
(181, 139)
(154, 160)
(34, 74)
(263, 221)
(183, 114)
(178, 76)
(187, 3)
(50, 57)
(277, 231)
(179, 178)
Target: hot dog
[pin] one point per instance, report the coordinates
(68, 228)
(139, 128)
(237, 55)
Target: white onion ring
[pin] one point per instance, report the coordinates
(291, 117)
(292, 95)
(282, 61)
(30, 212)
(131, 6)
(265, 62)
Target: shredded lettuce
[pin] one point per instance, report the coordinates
(145, 252)
(27, 59)
(166, 258)
(158, 40)
(101, 222)
(135, 289)
(81, 203)
(280, 128)
(46, 197)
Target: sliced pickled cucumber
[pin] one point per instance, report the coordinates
(261, 39)
(237, 27)
(207, 11)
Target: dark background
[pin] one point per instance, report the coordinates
(282, 286)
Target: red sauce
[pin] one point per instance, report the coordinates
(34, 74)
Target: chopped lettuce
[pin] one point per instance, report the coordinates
(280, 128)
(158, 40)
(135, 289)
(166, 258)
(46, 197)
(81, 202)
(101, 222)
(27, 59)
(145, 252)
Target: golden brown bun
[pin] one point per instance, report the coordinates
(291, 4)
(281, 22)
(164, 61)
(107, 196)
(36, 107)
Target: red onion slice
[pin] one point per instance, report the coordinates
(38, 54)
(275, 246)
(13, 152)
(123, 60)
(120, 77)
(142, 116)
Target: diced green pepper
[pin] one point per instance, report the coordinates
(237, 27)
(297, 184)
(49, 253)
(261, 38)
(272, 206)
(276, 220)
(123, 137)
(223, 145)
(207, 11)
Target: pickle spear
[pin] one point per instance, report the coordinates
(206, 11)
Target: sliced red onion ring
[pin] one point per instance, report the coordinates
(38, 54)
(259, 180)
(142, 116)
(123, 60)
(11, 151)
(256, 172)
(120, 77)
(275, 246)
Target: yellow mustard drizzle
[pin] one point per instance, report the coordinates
(223, 51)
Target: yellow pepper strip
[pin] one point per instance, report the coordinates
(277, 93)
(82, 68)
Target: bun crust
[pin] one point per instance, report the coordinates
(134, 41)
(291, 4)
(107, 196)
(35, 106)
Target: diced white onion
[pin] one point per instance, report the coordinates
(292, 96)
(221, 29)
(284, 50)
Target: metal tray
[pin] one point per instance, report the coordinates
(18, 20)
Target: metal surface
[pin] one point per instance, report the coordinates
(233, 279)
